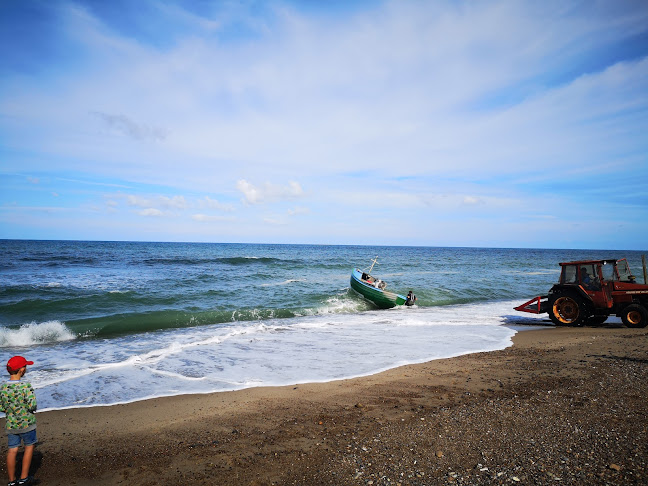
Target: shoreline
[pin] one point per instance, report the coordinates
(514, 328)
(534, 411)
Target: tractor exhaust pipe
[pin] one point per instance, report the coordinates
(643, 261)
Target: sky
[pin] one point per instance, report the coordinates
(516, 124)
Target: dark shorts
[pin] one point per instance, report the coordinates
(27, 438)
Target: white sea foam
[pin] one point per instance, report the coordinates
(35, 333)
(178, 376)
(77, 368)
(536, 272)
(237, 355)
(336, 305)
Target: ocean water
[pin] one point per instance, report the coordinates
(114, 322)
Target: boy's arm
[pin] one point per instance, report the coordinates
(30, 398)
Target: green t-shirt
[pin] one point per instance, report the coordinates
(18, 402)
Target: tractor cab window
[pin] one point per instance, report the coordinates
(588, 277)
(608, 271)
(624, 271)
(569, 274)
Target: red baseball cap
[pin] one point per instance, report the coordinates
(18, 362)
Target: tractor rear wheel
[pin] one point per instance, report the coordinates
(566, 310)
(635, 315)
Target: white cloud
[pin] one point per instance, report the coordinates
(207, 218)
(274, 221)
(150, 212)
(165, 202)
(215, 204)
(298, 210)
(125, 126)
(176, 202)
(268, 192)
(135, 200)
(251, 194)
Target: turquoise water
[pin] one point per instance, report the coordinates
(110, 322)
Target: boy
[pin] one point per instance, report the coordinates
(18, 402)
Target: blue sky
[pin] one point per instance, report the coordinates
(441, 123)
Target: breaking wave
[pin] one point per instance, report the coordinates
(35, 333)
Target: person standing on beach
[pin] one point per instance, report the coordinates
(18, 402)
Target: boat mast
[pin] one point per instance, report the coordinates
(373, 262)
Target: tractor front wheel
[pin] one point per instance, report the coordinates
(635, 315)
(566, 310)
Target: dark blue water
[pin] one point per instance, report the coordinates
(112, 288)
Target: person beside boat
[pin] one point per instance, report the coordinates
(411, 298)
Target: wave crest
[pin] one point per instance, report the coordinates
(35, 333)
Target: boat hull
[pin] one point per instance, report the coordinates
(381, 298)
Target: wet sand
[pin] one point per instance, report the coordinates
(561, 406)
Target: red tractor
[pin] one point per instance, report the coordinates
(591, 290)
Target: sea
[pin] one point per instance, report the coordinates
(117, 322)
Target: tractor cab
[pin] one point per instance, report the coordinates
(592, 279)
(585, 274)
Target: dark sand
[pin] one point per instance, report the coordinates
(562, 406)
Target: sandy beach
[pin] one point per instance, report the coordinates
(561, 406)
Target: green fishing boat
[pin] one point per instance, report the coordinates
(374, 289)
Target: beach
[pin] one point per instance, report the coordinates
(561, 406)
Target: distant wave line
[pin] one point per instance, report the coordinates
(285, 282)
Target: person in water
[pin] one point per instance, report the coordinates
(411, 298)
